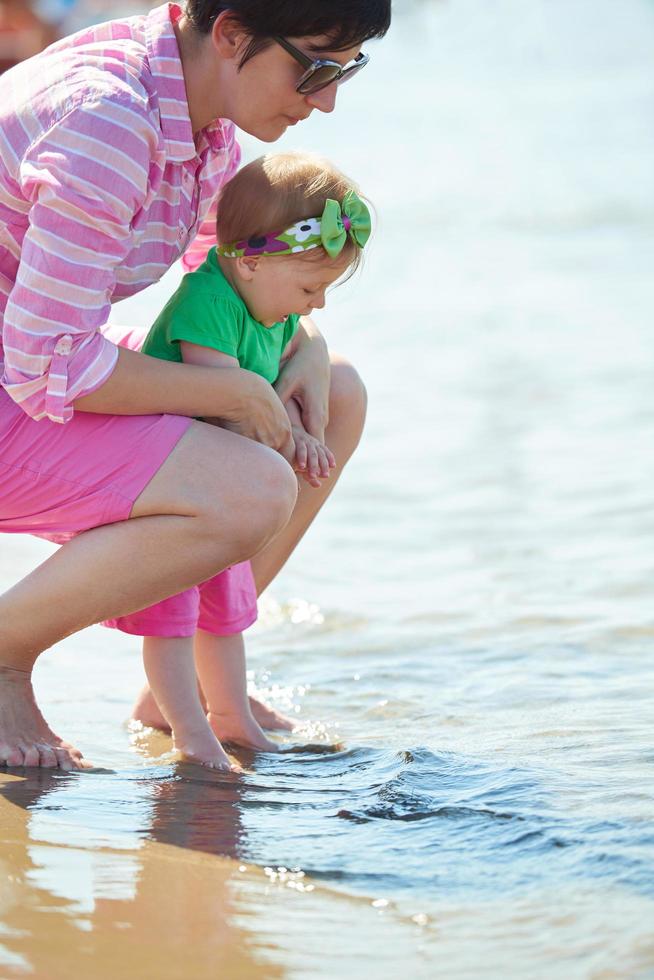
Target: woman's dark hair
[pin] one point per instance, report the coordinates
(346, 23)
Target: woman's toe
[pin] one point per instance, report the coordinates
(31, 756)
(48, 757)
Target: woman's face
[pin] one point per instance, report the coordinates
(265, 101)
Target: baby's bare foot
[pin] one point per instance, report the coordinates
(204, 748)
(268, 718)
(241, 729)
(25, 737)
(146, 710)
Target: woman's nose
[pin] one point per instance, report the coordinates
(325, 99)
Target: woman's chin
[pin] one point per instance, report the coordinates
(268, 131)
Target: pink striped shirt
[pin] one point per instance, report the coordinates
(102, 188)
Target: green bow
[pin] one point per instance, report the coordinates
(333, 232)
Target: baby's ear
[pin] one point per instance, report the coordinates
(246, 266)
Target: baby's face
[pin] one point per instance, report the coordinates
(285, 284)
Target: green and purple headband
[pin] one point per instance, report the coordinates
(331, 230)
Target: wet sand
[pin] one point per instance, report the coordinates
(172, 909)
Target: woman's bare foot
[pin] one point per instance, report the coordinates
(25, 737)
(240, 729)
(203, 747)
(268, 718)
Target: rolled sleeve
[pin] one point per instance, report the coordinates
(85, 192)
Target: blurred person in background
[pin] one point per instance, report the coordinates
(28, 26)
(23, 32)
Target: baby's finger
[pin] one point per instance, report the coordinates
(313, 464)
(311, 480)
(323, 462)
(331, 459)
(301, 454)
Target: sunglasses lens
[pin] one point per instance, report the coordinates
(319, 78)
(352, 70)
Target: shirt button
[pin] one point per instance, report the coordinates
(64, 345)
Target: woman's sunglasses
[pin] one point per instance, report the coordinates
(320, 72)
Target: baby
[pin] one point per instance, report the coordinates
(290, 225)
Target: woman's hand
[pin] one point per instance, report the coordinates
(305, 377)
(256, 411)
(259, 414)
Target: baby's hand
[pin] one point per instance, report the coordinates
(313, 460)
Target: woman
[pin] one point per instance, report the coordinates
(114, 144)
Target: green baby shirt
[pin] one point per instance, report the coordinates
(206, 310)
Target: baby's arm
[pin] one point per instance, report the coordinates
(207, 357)
(313, 460)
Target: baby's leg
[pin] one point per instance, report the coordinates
(224, 605)
(169, 665)
(228, 605)
(220, 663)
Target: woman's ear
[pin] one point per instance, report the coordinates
(246, 267)
(227, 35)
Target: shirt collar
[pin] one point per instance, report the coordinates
(166, 68)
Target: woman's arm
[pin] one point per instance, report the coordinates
(143, 385)
(306, 377)
(203, 356)
(83, 177)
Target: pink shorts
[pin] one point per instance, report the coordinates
(223, 605)
(58, 480)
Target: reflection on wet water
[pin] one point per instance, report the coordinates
(157, 889)
(466, 637)
(205, 865)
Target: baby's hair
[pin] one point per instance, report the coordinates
(274, 191)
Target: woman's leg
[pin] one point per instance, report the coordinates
(216, 500)
(347, 415)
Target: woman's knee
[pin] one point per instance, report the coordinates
(268, 496)
(348, 398)
(253, 506)
(233, 488)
